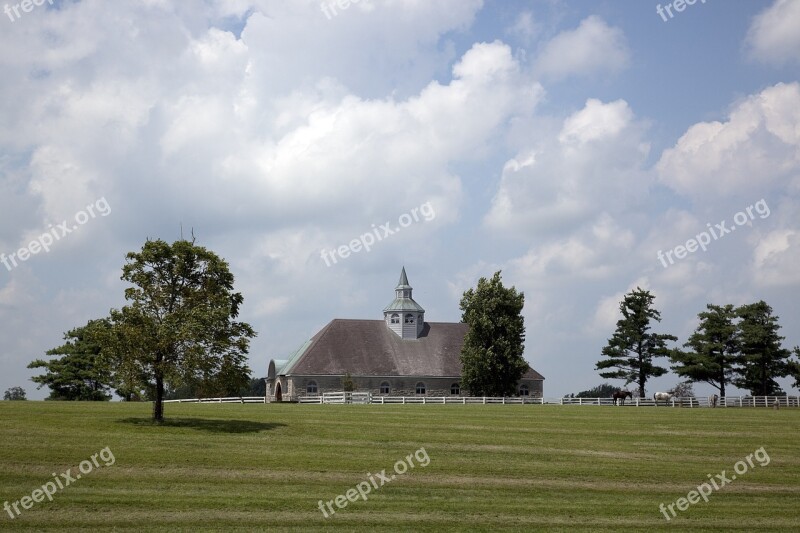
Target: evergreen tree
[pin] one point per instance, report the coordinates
(79, 373)
(633, 347)
(491, 358)
(763, 358)
(715, 349)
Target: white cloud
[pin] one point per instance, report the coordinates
(774, 35)
(757, 149)
(525, 27)
(589, 254)
(591, 48)
(593, 163)
(776, 258)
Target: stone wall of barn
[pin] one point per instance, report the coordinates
(397, 386)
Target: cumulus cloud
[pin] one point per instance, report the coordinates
(593, 163)
(776, 257)
(592, 47)
(756, 149)
(774, 34)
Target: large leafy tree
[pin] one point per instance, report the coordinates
(491, 358)
(79, 373)
(179, 326)
(763, 358)
(715, 349)
(633, 347)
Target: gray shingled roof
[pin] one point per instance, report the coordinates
(370, 348)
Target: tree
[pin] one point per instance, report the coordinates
(763, 358)
(601, 391)
(795, 368)
(179, 327)
(15, 394)
(79, 374)
(632, 348)
(716, 349)
(348, 385)
(215, 388)
(682, 390)
(257, 387)
(491, 357)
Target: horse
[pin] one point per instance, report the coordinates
(662, 396)
(621, 395)
(713, 400)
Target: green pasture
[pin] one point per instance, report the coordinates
(258, 467)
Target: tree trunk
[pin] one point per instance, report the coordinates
(158, 403)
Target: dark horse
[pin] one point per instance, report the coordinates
(621, 395)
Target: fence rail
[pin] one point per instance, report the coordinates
(369, 398)
(702, 401)
(237, 399)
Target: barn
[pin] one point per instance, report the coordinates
(401, 355)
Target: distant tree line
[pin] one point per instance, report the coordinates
(738, 346)
(14, 394)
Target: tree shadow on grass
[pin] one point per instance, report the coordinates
(212, 425)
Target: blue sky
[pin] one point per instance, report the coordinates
(564, 142)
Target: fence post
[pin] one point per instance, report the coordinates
(484, 400)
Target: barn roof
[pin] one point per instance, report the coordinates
(369, 348)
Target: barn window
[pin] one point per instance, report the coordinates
(395, 319)
(311, 387)
(409, 318)
(455, 388)
(523, 390)
(385, 387)
(420, 388)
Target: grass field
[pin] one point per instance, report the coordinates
(492, 468)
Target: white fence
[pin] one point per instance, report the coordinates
(703, 401)
(369, 398)
(238, 399)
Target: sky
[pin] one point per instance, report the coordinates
(583, 148)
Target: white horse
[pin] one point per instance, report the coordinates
(662, 396)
